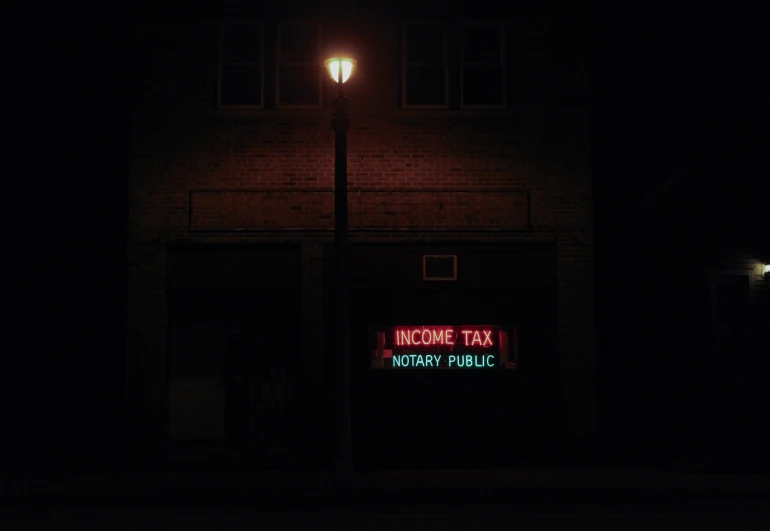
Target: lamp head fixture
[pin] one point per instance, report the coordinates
(340, 68)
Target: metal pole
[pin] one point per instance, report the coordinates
(343, 457)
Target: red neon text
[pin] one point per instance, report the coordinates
(477, 339)
(442, 336)
(425, 336)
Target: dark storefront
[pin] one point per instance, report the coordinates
(235, 358)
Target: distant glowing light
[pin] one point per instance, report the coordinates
(766, 271)
(340, 66)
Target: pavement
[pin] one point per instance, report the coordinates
(559, 489)
(633, 499)
(444, 521)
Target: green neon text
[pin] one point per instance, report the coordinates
(417, 360)
(462, 361)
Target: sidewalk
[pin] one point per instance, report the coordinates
(273, 489)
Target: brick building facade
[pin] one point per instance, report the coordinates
(465, 138)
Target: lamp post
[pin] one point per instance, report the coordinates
(340, 70)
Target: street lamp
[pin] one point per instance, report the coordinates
(340, 69)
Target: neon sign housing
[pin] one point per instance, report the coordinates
(481, 347)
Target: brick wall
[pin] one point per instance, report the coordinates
(201, 175)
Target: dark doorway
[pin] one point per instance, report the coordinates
(234, 351)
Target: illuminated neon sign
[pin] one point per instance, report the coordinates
(444, 347)
(442, 336)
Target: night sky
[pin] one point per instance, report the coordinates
(669, 81)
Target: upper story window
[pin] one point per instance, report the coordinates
(299, 66)
(241, 66)
(453, 66)
(425, 66)
(483, 67)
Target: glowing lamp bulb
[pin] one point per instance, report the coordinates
(340, 68)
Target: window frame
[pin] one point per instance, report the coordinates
(221, 63)
(279, 63)
(503, 62)
(404, 64)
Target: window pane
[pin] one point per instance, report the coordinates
(424, 44)
(482, 85)
(299, 43)
(241, 43)
(241, 85)
(482, 44)
(300, 85)
(425, 85)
